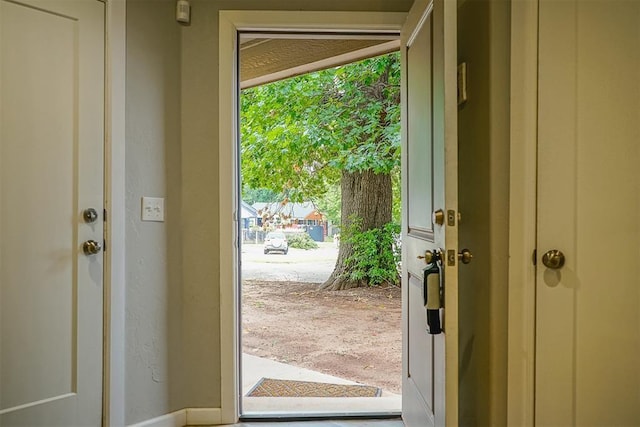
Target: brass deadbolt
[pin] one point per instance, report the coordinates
(438, 217)
(427, 257)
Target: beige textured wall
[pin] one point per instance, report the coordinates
(483, 43)
(153, 359)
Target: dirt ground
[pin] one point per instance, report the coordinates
(351, 334)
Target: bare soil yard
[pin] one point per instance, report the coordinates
(351, 334)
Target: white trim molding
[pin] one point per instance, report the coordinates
(203, 416)
(230, 23)
(522, 215)
(185, 417)
(174, 419)
(114, 203)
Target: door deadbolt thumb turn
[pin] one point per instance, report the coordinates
(90, 215)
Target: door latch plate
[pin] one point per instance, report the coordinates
(451, 217)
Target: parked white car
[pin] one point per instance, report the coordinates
(276, 241)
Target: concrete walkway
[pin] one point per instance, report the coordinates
(254, 368)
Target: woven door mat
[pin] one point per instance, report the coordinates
(269, 387)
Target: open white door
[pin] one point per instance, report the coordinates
(430, 216)
(51, 170)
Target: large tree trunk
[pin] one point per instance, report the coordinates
(368, 196)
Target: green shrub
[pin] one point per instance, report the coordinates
(376, 253)
(301, 241)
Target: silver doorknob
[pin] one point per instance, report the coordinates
(90, 215)
(91, 247)
(553, 259)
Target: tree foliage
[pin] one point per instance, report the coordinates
(330, 203)
(299, 134)
(253, 195)
(301, 241)
(375, 258)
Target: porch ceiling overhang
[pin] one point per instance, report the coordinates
(264, 60)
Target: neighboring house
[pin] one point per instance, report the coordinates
(248, 215)
(303, 215)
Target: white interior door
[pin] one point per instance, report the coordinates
(588, 311)
(51, 169)
(429, 165)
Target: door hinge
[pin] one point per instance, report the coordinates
(104, 246)
(104, 215)
(462, 83)
(534, 257)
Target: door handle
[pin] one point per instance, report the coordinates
(465, 256)
(432, 295)
(91, 247)
(553, 259)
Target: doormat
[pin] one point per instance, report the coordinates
(269, 387)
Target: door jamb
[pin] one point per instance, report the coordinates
(230, 22)
(522, 213)
(113, 381)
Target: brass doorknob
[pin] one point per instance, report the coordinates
(91, 247)
(553, 259)
(428, 257)
(465, 256)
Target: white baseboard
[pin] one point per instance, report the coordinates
(203, 416)
(185, 417)
(174, 419)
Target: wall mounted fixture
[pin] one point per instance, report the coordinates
(183, 12)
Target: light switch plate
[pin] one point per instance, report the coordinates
(153, 209)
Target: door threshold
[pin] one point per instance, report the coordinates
(275, 417)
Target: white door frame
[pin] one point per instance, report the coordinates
(230, 22)
(522, 215)
(113, 404)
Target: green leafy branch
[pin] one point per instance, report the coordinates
(375, 256)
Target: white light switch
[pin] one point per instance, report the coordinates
(153, 209)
